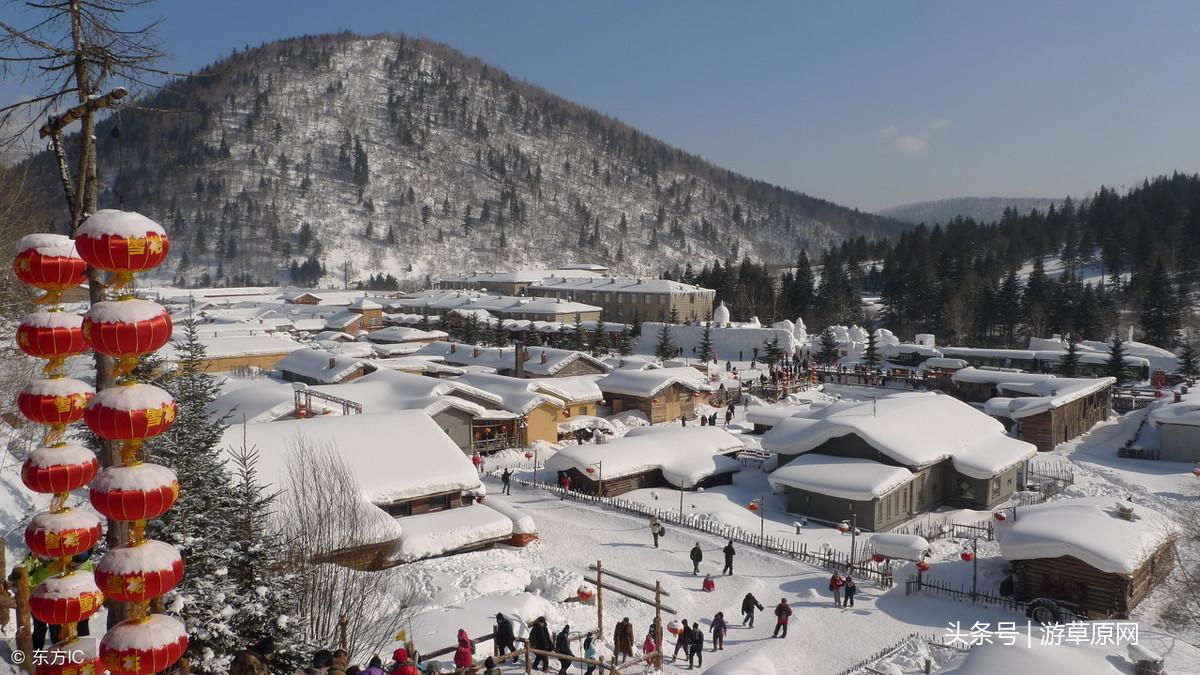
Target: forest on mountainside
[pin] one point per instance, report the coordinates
(1117, 259)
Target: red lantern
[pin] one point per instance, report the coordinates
(923, 566)
(131, 411)
(80, 656)
(967, 556)
(1000, 517)
(121, 241)
(69, 598)
(56, 401)
(49, 262)
(584, 594)
(143, 646)
(878, 557)
(134, 492)
(127, 328)
(654, 400)
(753, 506)
(674, 628)
(61, 467)
(139, 572)
(51, 335)
(60, 534)
(1196, 470)
(843, 527)
(529, 455)
(591, 469)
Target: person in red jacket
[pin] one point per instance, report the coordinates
(835, 584)
(404, 665)
(783, 614)
(464, 655)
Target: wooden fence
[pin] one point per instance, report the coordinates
(862, 566)
(864, 664)
(922, 582)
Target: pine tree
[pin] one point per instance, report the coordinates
(1160, 320)
(423, 324)
(829, 347)
(499, 334)
(871, 355)
(772, 352)
(1069, 365)
(665, 347)
(580, 335)
(1189, 361)
(1116, 358)
(600, 337)
(636, 328)
(706, 343)
(624, 345)
(468, 329)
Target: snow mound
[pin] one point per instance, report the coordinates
(750, 663)
(555, 583)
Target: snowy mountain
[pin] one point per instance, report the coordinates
(394, 155)
(982, 209)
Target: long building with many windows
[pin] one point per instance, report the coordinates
(623, 299)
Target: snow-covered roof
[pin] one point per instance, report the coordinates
(618, 284)
(1037, 392)
(260, 401)
(646, 383)
(686, 455)
(1089, 529)
(388, 390)
(365, 303)
(516, 395)
(557, 359)
(915, 430)
(342, 319)
(897, 545)
(238, 345)
(844, 477)
(404, 334)
(432, 534)
(1184, 413)
(322, 366)
(394, 455)
(574, 389)
(525, 275)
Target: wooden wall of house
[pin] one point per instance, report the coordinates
(1099, 593)
(457, 425)
(580, 367)
(225, 364)
(427, 503)
(672, 403)
(572, 411)
(588, 483)
(541, 424)
(974, 392)
(1048, 429)
(832, 509)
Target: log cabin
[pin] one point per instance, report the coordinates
(661, 394)
(316, 366)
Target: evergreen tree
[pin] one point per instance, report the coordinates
(624, 344)
(600, 338)
(468, 329)
(499, 334)
(706, 344)
(772, 352)
(580, 335)
(829, 347)
(1160, 320)
(1115, 366)
(1069, 365)
(871, 355)
(665, 347)
(636, 327)
(423, 324)
(1189, 361)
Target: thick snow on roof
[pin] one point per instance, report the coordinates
(729, 343)
(1040, 392)
(916, 430)
(394, 455)
(130, 310)
(342, 319)
(686, 455)
(1030, 655)
(440, 532)
(387, 390)
(845, 477)
(573, 389)
(260, 401)
(1184, 413)
(646, 383)
(556, 360)
(897, 545)
(403, 334)
(1089, 529)
(239, 345)
(516, 395)
(365, 303)
(524, 275)
(616, 284)
(319, 365)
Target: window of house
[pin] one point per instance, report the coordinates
(439, 503)
(398, 509)
(996, 486)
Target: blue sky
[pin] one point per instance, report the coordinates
(870, 104)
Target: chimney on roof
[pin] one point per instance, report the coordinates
(543, 359)
(332, 362)
(1125, 510)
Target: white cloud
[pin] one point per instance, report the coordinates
(914, 145)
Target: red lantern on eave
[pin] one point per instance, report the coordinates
(138, 572)
(843, 527)
(529, 455)
(69, 598)
(60, 534)
(753, 506)
(121, 241)
(49, 262)
(131, 411)
(999, 516)
(51, 335)
(142, 647)
(878, 557)
(61, 467)
(134, 492)
(591, 469)
(967, 556)
(923, 566)
(127, 328)
(81, 657)
(58, 400)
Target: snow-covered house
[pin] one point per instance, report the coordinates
(579, 396)
(662, 394)
(538, 413)
(226, 353)
(550, 362)
(1178, 425)
(316, 366)
(400, 335)
(420, 493)
(1101, 554)
(362, 314)
(647, 457)
(1046, 410)
(887, 460)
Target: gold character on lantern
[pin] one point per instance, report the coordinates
(131, 663)
(156, 245)
(112, 585)
(135, 584)
(23, 339)
(87, 331)
(154, 417)
(79, 401)
(168, 413)
(52, 541)
(137, 245)
(23, 264)
(86, 602)
(70, 539)
(62, 403)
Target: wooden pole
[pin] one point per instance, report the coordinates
(7, 602)
(342, 623)
(528, 663)
(24, 622)
(658, 630)
(599, 601)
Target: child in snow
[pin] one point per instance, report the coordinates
(709, 585)
(850, 589)
(464, 654)
(649, 646)
(835, 584)
(489, 667)
(589, 652)
(783, 614)
(718, 630)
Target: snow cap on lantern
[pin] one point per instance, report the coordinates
(134, 492)
(61, 467)
(69, 598)
(51, 335)
(141, 647)
(121, 241)
(81, 656)
(139, 572)
(59, 534)
(49, 262)
(127, 327)
(131, 411)
(58, 400)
